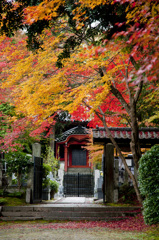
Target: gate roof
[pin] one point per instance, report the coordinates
(79, 130)
(147, 136)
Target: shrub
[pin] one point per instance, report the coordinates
(14, 181)
(15, 194)
(127, 194)
(54, 188)
(18, 163)
(149, 184)
(46, 170)
(1, 192)
(3, 201)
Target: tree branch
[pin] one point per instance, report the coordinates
(134, 63)
(137, 94)
(118, 95)
(136, 66)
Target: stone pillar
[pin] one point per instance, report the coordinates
(36, 152)
(30, 185)
(116, 180)
(109, 170)
(116, 173)
(96, 178)
(104, 175)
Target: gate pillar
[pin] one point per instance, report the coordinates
(108, 186)
(36, 153)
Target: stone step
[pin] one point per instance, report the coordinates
(84, 214)
(20, 218)
(17, 209)
(69, 209)
(66, 213)
(22, 214)
(62, 218)
(85, 218)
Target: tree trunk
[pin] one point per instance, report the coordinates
(134, 180)
(134, 144)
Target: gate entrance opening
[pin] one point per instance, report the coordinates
(78, 185)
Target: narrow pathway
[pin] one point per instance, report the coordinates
(72, 202)
(75, 200)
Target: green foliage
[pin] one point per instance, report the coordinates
(18, 163)
(127, 194)
(15, 194)
(6, 110)
(7, 126)
(54, 186)
(46, 170)
(1, 192)
(3, 201)
(149, 184)
(51, 160)
(46, 181)
(13, 201)
(153, 233)
(14, 181)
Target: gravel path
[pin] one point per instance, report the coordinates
(63, 231)
(42, 232)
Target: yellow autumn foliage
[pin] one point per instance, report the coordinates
(45, 10)
(142, 11)
(42, 89)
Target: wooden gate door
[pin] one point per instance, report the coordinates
(78, 185)
(79, 157)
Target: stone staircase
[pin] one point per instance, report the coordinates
(68, 212)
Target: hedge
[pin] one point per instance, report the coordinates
(149, 184)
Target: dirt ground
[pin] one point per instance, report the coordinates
(25, 232)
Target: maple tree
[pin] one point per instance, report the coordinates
(88, 74)
(14, 127)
